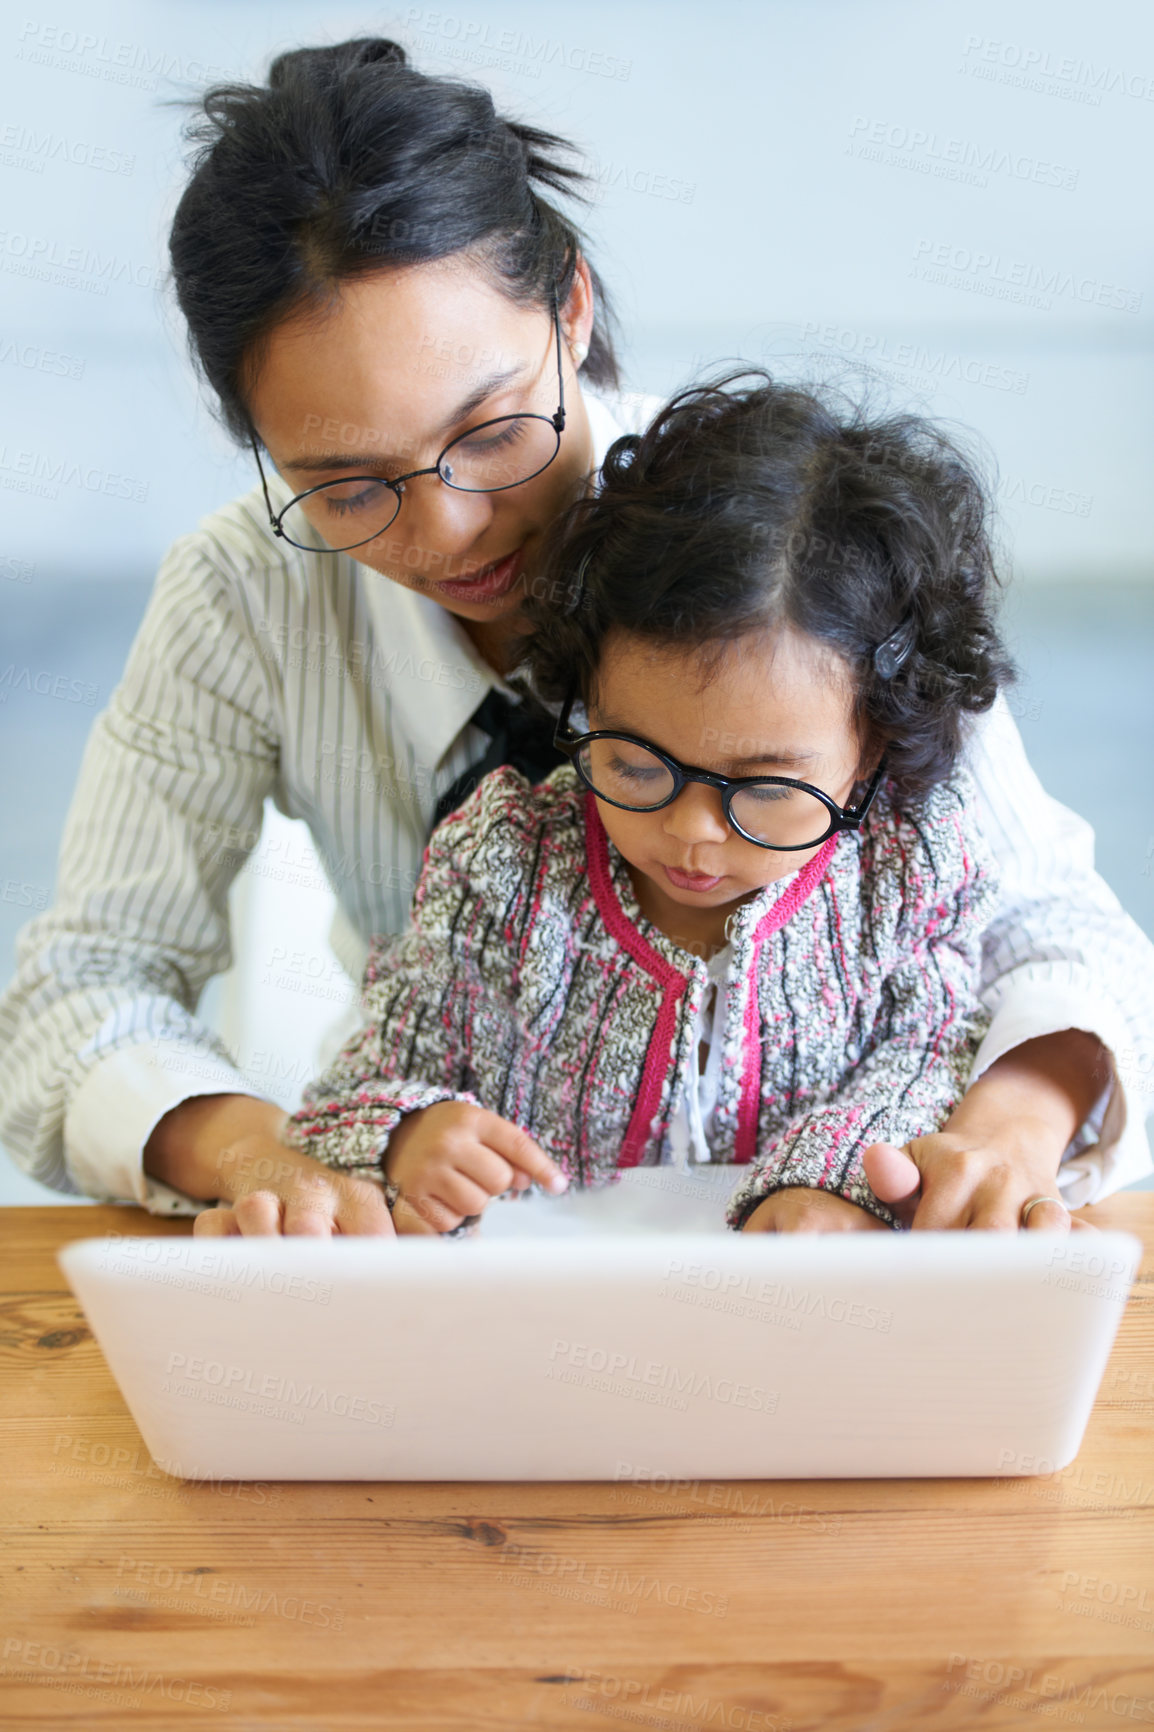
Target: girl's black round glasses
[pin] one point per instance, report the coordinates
(771, 811)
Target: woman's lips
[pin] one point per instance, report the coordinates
(488, 584)
(699, 881)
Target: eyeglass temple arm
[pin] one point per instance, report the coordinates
(855, 815)
(563, 734)
(564, 738)
(559, 417)
(272, 517)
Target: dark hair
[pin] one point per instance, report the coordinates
(747, 505)
(351, 161)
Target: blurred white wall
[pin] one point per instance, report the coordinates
(955, 193)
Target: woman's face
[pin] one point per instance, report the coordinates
(403, 362)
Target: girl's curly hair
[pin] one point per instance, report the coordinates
(748, 504)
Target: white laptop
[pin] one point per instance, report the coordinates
(526, 1354)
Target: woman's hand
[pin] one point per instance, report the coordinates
(229, 1147)
(951, 1182)
(1001, 1146)
(802, 1210)
(452, 1159)
(294, 1195)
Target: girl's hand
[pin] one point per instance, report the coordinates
(951, 1182)
(452, 1159)
(802, 1210)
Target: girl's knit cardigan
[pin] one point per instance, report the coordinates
(530, 982)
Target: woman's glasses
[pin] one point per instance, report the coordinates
(503, 452)
(771, 811)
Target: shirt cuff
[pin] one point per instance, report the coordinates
(1111, 1149)
(118, 1105)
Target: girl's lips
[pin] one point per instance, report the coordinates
(699, 881)
(488, 584)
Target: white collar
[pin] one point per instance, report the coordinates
(438, 676)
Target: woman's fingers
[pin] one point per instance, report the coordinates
(996, 1207)
(962, 1186)
(258, 1214)
(306, 1201)
(1047, 1217)
(361, 1208)
(959, 1183)
(893, 1177)
(308, 1217)
(309, 1200)
(930, 1183)
(216, 1223)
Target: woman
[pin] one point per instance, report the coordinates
(372, 273)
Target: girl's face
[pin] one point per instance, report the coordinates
(378, 384)
(773, 704)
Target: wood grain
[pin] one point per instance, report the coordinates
(133, 1599)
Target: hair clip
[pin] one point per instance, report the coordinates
(894, 653)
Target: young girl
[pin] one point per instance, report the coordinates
(742, 925)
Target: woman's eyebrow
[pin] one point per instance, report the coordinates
(485, 388)
(322, 462)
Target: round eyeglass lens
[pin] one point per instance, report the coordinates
(502, 454)
(341, 514)
(780, 816)
(625, 773)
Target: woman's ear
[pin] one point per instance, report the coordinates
(577, 314)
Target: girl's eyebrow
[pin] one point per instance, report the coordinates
(771, 758)
(612, 725)
(322, 462)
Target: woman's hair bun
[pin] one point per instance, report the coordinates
(378, 48)
(338, 59)
(351, 161)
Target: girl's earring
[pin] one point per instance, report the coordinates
(579, 352)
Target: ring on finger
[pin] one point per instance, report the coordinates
(1032, 1203)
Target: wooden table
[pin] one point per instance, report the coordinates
(138, 1600)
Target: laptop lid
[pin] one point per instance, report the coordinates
(698, 1356)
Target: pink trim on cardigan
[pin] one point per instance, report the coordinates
(807, 880)
(619, 924)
